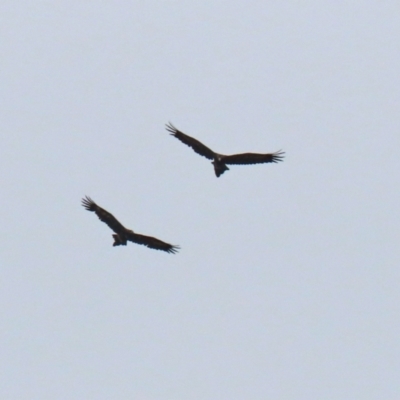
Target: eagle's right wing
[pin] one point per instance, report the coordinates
(197, 146)
(103, 215)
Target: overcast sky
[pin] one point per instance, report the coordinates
(286, 286)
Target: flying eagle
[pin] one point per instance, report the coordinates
(122, 235)
(220, 160)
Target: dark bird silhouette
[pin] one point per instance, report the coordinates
(122, 234)
(220, 160)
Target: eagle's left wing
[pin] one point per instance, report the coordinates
(253, 158)
(152, 242)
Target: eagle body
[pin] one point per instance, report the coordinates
(220, 161)
(122, 235)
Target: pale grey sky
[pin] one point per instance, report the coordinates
(287, 283)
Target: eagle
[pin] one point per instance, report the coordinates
(220, 161)
(122, 234)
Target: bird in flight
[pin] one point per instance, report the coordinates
(122, 234)
(220, 161)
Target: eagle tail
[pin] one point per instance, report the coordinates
(118, 241)
(219, 168)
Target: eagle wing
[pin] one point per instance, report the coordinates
(103, 215)
(253, 158)
(151, 242)
(197, 146)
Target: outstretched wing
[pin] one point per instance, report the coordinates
(103, 215)
(151, 242)
(253, 158)
(197, 146)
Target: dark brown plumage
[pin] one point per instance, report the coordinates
(220, 160)
(122, 234)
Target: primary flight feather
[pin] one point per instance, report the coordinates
(220, 161)
(122, 234)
